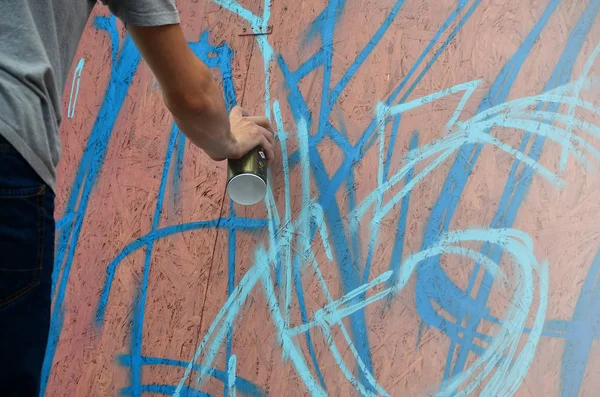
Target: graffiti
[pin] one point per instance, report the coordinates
(309, 214)
(73, 99)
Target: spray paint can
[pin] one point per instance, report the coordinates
(247, 177)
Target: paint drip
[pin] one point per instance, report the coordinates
(247, 177)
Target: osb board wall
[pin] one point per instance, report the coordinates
(432, 223)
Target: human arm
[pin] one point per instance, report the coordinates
(190, 92)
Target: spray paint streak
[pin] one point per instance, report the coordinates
(73, 99)
(243, 385)
(502, 345)
(123, 70)
(140, 299)
(201, 50)
(299, 109)
(87, 175)
(451, 298)
(390, 151)
(515, 190)
(231, 386)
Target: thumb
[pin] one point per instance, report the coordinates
(237, 112)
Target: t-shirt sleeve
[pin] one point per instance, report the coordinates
(144, 12)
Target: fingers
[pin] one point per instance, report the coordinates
(269, 135)
(237, 112)
(268, 143)
(252, 131)
(262, 121)
(268, 148)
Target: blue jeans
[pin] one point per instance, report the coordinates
(26, 262)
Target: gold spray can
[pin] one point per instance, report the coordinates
(247, 177)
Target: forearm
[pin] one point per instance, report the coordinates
(187, 84)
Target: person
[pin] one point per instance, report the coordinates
(38, 40)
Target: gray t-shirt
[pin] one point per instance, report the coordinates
(38, 40)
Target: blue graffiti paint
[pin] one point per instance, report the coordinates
(246, 224)
(517, 190)
(432, 282)
(401, 227)
(581, 332)
(340, 247)
(230, 287)
(87, 175)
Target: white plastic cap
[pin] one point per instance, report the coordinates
(247, 189)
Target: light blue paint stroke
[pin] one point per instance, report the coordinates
(330, 313)
(304, 318)
(576, 92)
(506, 377)
(503, 347)
(515, 190)
(341, 364)
(307, 254)
(304, 216)
(73, 99)
(413, 69)
(445, 293)
(295, 356)
(285, 233)
(225, 318)
(557, 134)
(316, 213)
(550, 117)
(261, 269)
(365, 140)
(295, 97)
(303, 227)
(348, 273)
(231, 386)
(442, 144)
(231, 257)
(259, 25)
(376, 197)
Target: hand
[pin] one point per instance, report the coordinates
(195, 100)
(248, 132)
